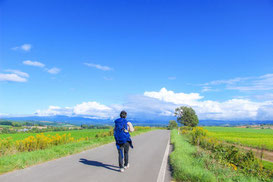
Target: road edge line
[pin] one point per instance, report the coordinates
(162, 171)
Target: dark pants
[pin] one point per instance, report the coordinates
(124, 147)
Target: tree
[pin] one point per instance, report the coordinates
(172, 125)
(186, 116)
(84, 126)
(16, 124)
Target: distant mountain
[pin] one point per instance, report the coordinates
(77, 120)
(231, 123)
(62, 119)
(162, 121)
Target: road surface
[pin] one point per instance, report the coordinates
(101, 164)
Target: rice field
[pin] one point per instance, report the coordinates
(262, 138)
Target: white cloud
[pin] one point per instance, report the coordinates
(12, 77)
(97, 66)
(94, 109)
(262, 83)
(90, 109)
(55, 110)
(258, 83)
(3, 114)
(53, 70)
(264, 96)
(266, 112)
(24, 47)
(33, 63)
(107, 78)
(229, 82)
(171, 77)
(176, 98)
(233, 109)
(208, 89)
(17, 72)
(160, 104)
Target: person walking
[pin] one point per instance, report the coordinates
(123, 140)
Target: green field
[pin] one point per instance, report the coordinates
(90, 133)
(21, 160)
(245, 136)
(5, 126)
(190, 163)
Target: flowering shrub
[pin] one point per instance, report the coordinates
(105, 134)
(31, 143)
(185, 129)
(138, 128)
(41, 141)
(196, 134)
(5, 145)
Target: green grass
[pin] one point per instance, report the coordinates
(268, 165)
(190, 163)
(245, 136)
(25, 159)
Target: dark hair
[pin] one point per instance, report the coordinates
(123, 114)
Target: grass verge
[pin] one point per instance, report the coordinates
(190, 163)
(25, 159)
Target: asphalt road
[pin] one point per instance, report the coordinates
(101, 164)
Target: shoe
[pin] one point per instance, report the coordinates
(121, 170)
(126, 167)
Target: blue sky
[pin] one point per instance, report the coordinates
(97, 57)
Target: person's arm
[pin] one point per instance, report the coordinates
(131, 128)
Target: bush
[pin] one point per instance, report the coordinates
(172, 125)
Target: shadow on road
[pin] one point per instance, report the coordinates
(99, 164)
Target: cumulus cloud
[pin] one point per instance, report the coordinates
(92, 108)
(33, 63)
(266, 112)
(53, 70)
(176, 98)
(100, 67)
(24, 47)
(233, 109)
(158, 104)
(55, 110)
(89, 109)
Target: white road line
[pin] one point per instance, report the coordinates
(162, 171)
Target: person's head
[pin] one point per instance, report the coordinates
(123, 114)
